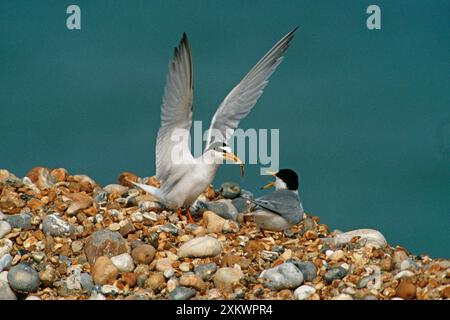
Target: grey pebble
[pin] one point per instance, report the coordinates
(5, 292)
(56, 226)
(23, 278)
(283, 276)
(21, 220)
(182, 293)
(86, 282)
(205, 271)
(334, 274)
(170, 228)
(308, 269)
(223, 208)
(230, 190)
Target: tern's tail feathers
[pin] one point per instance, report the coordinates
(150, 189)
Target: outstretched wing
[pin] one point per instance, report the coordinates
(243, 97)
(176, 110)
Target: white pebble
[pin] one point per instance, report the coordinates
(303, 292)
(5, 228)
(123, 262)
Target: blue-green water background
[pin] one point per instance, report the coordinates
(364, 116)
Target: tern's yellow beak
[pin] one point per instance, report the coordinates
(269, 185)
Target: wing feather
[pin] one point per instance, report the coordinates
(176, 108)
(244, 96)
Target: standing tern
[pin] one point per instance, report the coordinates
(282, 208)
(181, 182)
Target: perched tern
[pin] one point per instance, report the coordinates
(282, 208)
(183, 181)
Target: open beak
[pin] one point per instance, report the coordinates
(269, 185)
(234, 158)
(272, 173)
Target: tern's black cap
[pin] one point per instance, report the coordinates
(289, 177)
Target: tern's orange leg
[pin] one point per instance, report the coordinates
(188, 211)
(179, 214)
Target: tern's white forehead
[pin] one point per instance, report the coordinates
(226, 149)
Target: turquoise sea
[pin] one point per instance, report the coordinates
(364, 115)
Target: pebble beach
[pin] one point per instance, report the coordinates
(64, 236)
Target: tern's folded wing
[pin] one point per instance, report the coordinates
(283, 202)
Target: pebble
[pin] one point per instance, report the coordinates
(241, 204)
(5, 262)
(304, 292)
(104, 243)
(205, 271)
(115, 188)
(185, 266)
(406, 290)
(182, 293)
(337, 256)
(169, 273)
(23, 278)
(307, 268)
(368, 237)
(225, 278)
(56, 226)
(100, 197)
(193, 281)
(213, 222)
(5, 292)
(77, 201)
(163, 264)
(5, 228)
(155, 281)
(269, 255)
(230, 226)
(170, 228)
(223, 208)
(77, 246)
(137, 217)
(398, 257)
(87, 283)
(278, 249)
(114, 227)
(308, 224)
(73, 282)
(200, 247)
(404, 274)
(47, 275)
(342, 296)
(32, 298)
(104, 271)
(152, 216)
(408, 264)
(108, 289)
(172, 284)
(230, 190)
(123, 262)
(334, 274)
(284, 276)
(22, 220)
(97, 296)
(143, 254)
